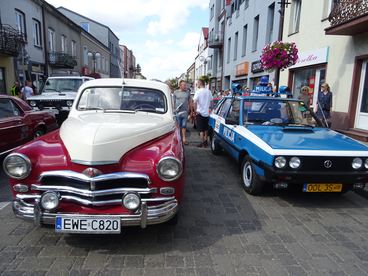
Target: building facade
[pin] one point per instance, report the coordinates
(202, 61)
(102, 33)
(22, 54)
(127, 62)
(332, 38)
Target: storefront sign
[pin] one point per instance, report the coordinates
(256, 67)
(242, 69)
(311, 58)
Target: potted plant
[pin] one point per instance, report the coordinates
(279, 55)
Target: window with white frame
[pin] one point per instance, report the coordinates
(85, 55)
(52, 43)
(236, 45)
(255, 33)
(228, 49)
(245, 35)
(295, 16)
(73, 45)
(37, 33)
(270, 19)
(64, 47)
(20, 21)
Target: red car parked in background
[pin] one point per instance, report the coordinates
(20, 124)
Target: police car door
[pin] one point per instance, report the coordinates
(218, 122)
(232, 120)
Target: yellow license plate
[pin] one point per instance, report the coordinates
(322, 188)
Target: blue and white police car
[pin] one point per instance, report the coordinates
(279, 142)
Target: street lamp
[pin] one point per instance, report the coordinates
(94, 56)
(205, 61)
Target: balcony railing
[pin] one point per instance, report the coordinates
(10, 40)
(216, 40)
(61, 60)
(348, 17)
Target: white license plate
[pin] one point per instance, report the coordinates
(94, 225)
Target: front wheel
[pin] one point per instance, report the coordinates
(251, 182)
(215, 147)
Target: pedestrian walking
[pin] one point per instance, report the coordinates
(182, 104)
(15, 90)
(202, 100)
(27, 90)
(304, 96)
(324, 104)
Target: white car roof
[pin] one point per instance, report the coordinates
(114, 82)
(71, 77)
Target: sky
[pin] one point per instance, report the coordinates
(163, 34)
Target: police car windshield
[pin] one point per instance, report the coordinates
(277, 112)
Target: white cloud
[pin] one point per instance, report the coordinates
(157, 31)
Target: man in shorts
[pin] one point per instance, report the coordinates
(202, 100)
(182, 104)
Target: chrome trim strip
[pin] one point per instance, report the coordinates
(87, 202)
(153, 215)
(89, 193)
(94, 163)
(81, 177)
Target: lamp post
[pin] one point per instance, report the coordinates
(205, 61)
(94, 56)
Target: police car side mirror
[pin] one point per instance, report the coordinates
(231, 121)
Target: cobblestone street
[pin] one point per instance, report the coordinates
(221, 231)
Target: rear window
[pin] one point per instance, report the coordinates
(123, 99)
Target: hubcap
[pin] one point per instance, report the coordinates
(247, 174)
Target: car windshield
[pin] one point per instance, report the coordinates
(278, 112)
(62, 85)
(117, 99)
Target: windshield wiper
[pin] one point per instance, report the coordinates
(300, 124)
(52, 89)
(119, 111)
(145, 110)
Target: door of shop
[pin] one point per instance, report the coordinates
(361, 120)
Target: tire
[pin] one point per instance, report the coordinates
(215, 147)
(251, 182)
(39, 132)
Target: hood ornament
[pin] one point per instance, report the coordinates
(92, 172)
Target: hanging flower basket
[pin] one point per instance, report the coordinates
(279, 55)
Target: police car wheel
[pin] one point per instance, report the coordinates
(250, 180)
(215, 147)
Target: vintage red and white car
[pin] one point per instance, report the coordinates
(118, 160)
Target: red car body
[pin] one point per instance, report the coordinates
(92, 177)
(20, 124)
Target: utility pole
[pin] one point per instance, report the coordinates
(283, 4)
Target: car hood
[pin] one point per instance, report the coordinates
(103, 138)
(63, 95)
(305, 140)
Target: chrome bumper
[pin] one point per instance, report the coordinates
(146, 215)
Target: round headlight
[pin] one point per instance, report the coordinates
(280, 162)
(32, 103)
(294, 162)
(17, 166)
(357, 163)
(49, 201)
(131, 201)
(169, 168)
(366, 163)
(69, 103)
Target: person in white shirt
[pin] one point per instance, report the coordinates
(202, 100)
(27, 90)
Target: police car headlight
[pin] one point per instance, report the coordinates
(294, 162)
(17, 166)
(69, 103)
(357, 163)
(366, 164)
(169, 168)
(49, 201)
(131, 201)
(32, 103)
(280, 162)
